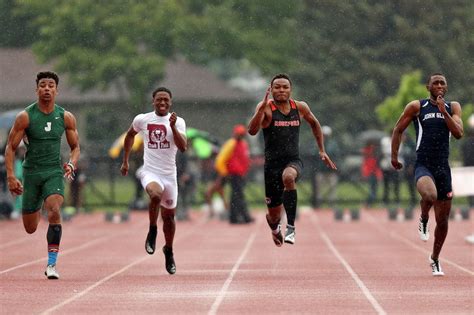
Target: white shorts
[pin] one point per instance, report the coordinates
(168, 183)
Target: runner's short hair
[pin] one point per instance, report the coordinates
(281, 76)
(47, 75)
(161, 89)
(432, 75)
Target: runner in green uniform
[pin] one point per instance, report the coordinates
(41, 126)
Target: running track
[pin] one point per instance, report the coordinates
(373, 266)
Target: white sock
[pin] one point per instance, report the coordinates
(277, 230)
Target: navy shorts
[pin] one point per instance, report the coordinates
(274, 181)
(441, 175)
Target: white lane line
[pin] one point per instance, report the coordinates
(112, 275)
(90, 288)
(72, 227)
(378, 308)
(62, 253)
(69, 251)
(225, 287)
(22, 240)
(394, 235)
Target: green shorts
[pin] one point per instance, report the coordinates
(38, 186)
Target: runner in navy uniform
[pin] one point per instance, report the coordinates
(280, 120)
(435, 120)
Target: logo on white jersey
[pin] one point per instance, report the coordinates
(157, 137)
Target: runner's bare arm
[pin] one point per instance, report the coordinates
(179, 138)
(14, 138)
(308, 116)
(262, 116)
(72, 138)
(411, 110)
(453, 121)
(127, 147)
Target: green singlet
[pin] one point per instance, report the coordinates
(43, 174)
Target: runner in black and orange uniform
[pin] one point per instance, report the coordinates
(280, 119)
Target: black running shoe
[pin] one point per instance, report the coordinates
(150, 242)
(169, 260)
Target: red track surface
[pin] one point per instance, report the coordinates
(365, 267)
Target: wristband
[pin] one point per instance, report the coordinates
(71, 166)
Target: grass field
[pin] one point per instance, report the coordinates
(102, 194)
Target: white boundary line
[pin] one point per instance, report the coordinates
(69, 251)
(378, 308)
(90, 288)
(225, 287)
(72, 250)
(394, 235)
(112, 275)
(11, 243)
(26, 238)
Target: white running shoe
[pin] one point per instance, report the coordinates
(51, 272)
(290, 234)
(423, 231)
(436, 267)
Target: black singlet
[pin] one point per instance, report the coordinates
(282, 135)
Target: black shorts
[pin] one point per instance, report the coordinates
(441, 175)
(274, 180)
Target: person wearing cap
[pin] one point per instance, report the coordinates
(233, 163)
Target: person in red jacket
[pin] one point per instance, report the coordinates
(233, 162)
(371, 171)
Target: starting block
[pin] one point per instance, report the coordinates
(459, 213)
(400, 214)
(117, 217)
(346, 215)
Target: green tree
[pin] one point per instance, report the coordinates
(17, 29)
(352, 54)
(412, 87)
(345, 56)
(127, 43)
(391, 108)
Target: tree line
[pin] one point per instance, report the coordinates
(345, 57)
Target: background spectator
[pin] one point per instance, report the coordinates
(467, 149)
(233, 161)
(370, 170)
(391, 177)
(408, 154)
(327, 179)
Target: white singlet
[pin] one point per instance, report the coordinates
(159, 154)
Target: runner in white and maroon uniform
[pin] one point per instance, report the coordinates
(163, 134)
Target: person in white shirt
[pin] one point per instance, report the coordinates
(163, 134)
(391, 178)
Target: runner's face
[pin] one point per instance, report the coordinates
(281, 90)
(46, 89)
(162, 103)
(438, 86)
